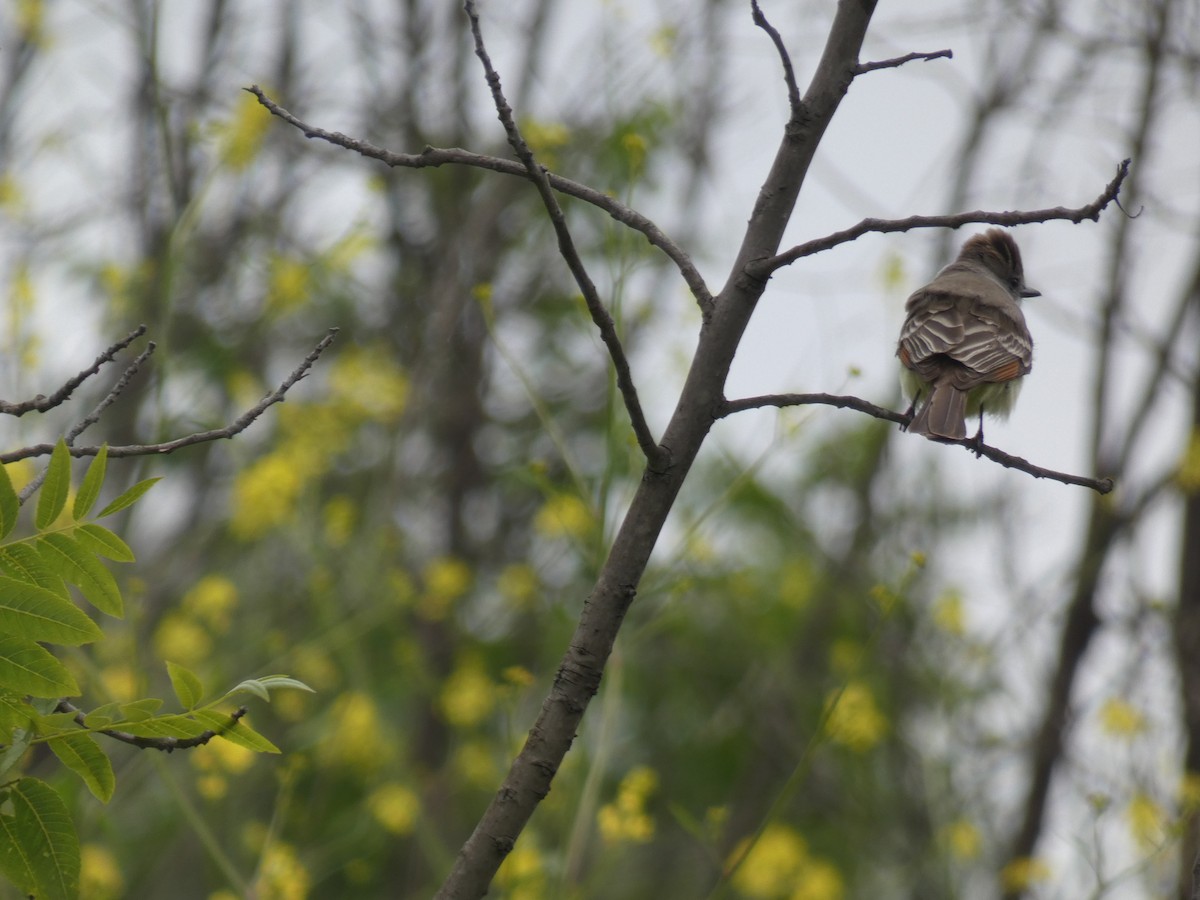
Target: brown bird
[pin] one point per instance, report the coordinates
(964, 345)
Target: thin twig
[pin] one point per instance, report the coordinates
(200, 437)
(41, 403)
(1100, 485)
(863, 68)
(91, 418)
(764, 268)
(165, 744)
(789, 74)
(566, 247)
(435, 157)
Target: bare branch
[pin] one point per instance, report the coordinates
(863, 68)
(165, 744)
(42, 403)
(566, 248)
(435, 157)
(200, 437)
(1100, 485)
(789, 74)
(763, 269)
(93, 417)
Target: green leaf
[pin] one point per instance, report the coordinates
(103, 716)
(166, 726)
(235, 732)
(283, 682)
(188, 687)
(24, 563)
(37, 614)
(28, 668)
(103, 542)
(39, 850)
(80, 753)
(10, 507)
(65, 556)
(140, 710)
(11, 758)
(92, 482)
(130, 497)
(53, 495)
(14, 713)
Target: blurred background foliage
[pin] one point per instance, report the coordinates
(412, 533)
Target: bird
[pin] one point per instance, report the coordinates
(964, 346)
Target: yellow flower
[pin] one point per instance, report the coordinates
(1147, 821)
(265, 494)
(243, 134)
(281, 875)
(211, 599)
(1120, 718)
(446, 579)
(948, 614)
(854, 719)
(519, 584)
(340, 514)
(626, 819)
(518, 676)
(523, 873)
(289, 284)
(779, 865)
(370, 383)
(180, 639)
(356, 738)
(121, 682)
(468, 695)
(564, 515)
(99, 875)
(395, 807)
(1023, 873)
(962, 838)
(1188, 473)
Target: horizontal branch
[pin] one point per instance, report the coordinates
(763, 268)
(1100, 485)
(435, 157)
(863, 68)
(165, 744)
(200, 437)
(41, 403)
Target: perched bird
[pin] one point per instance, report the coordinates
(964, 345)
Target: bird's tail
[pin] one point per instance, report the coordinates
(944, 416)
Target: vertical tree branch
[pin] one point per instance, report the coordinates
(578, 678)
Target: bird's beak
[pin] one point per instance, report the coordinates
(1030, 292)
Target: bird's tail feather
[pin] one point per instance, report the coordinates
(943, 416)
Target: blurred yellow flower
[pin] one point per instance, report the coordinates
(356, 738)
(948, 613)
(182, 640)
(564, 515)
(1187, 475)
(242, 136)
(446, 579)
(1022, 874)
(340, 515)
(1147, 821)
(1120, 718)
(122, 682)
(265, 495)
(779, 867)
(1189, 793)
(518, 583)
(395, 807)
(474, 762)
(281, 875)
(518, 676)
(289, 284)
(962, 839)
(523, 873)
(626, 819)
(370, 382)
(469, 695)
(99, 874)
(211, 600)
(854, 719)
